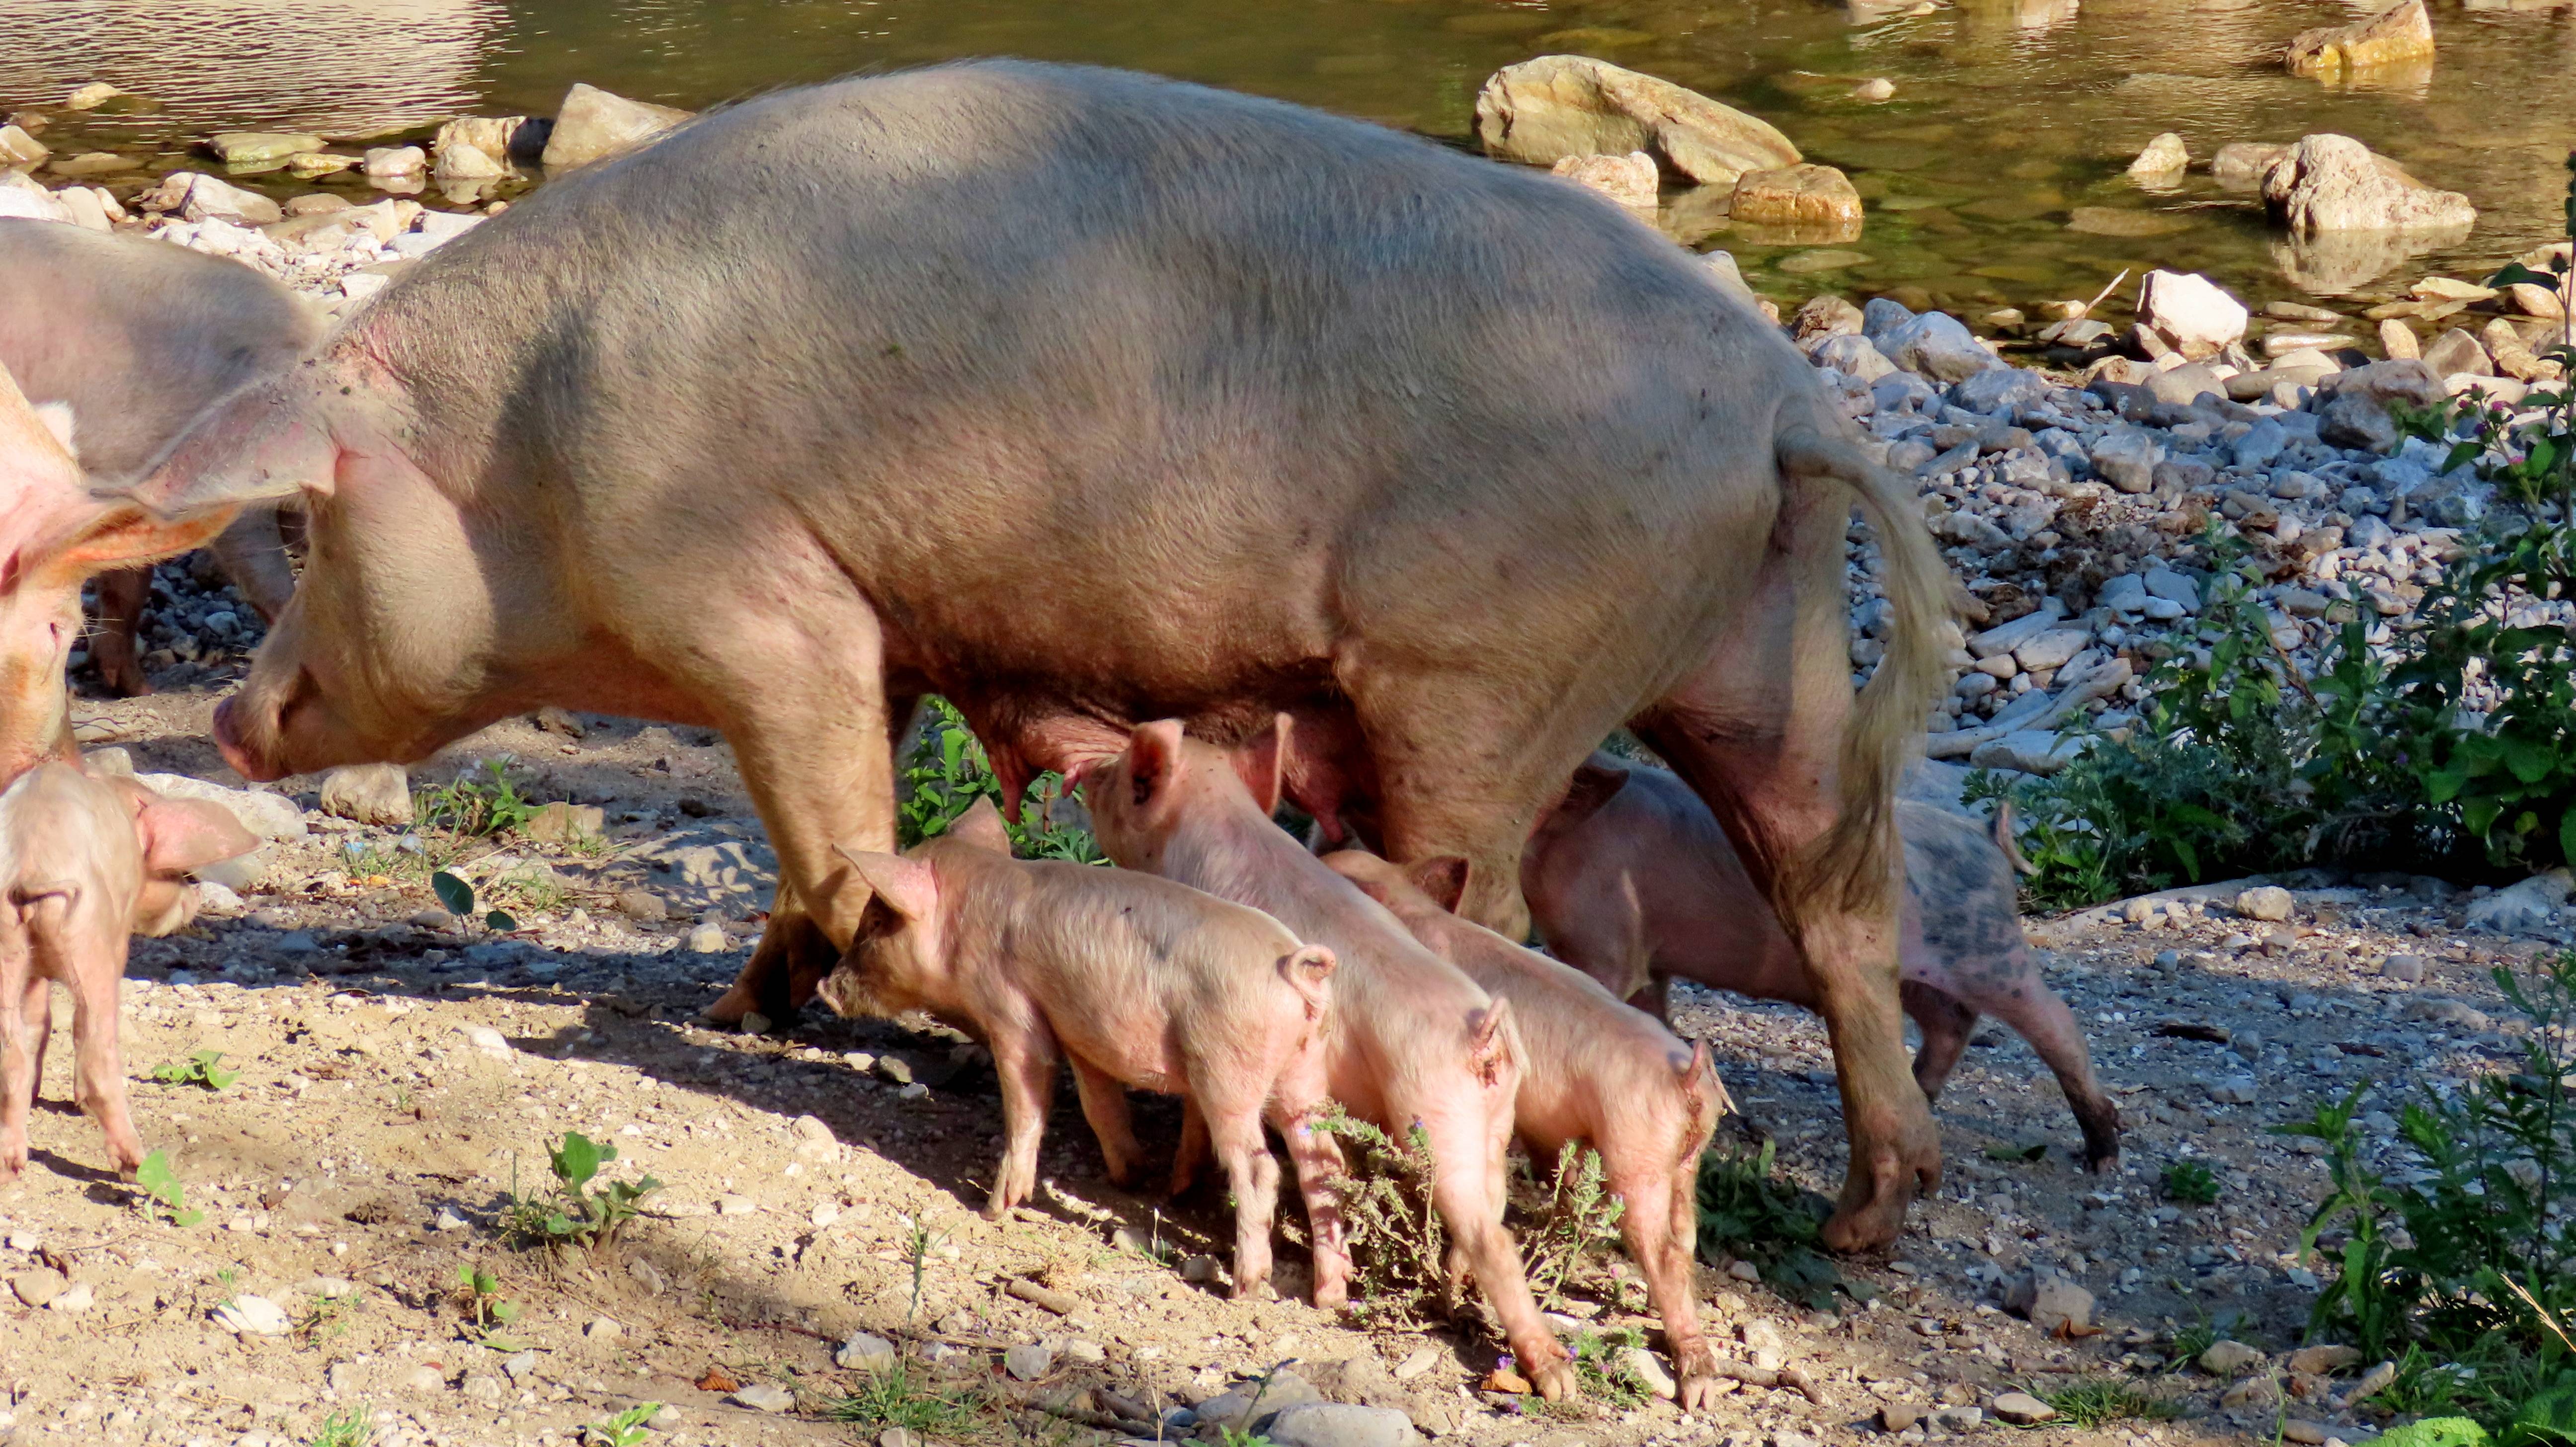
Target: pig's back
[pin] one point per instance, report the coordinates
(1236, 363)
(138, 336)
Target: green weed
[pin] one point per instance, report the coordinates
(893, 1398)
(456, 896)
(202, 1067)
(2192, 1182)
(347, 1427)
(1746, 1210)
(1576, 1223)
(922, 1241)
(2092, 1402)
(164, 1198)
(576, 1213)
(478, 806)
(947, 771)
(1397, 1240)
(1601, 1367)
(626, 1429)
(489, 1312)
(327, 1316)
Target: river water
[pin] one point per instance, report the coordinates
(2009, 116)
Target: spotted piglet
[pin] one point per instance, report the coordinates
(1135, 980)
(85, 863)
(1597, 1072)
(1631, 880)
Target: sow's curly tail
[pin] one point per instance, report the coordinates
(1853, 865)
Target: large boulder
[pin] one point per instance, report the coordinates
(594, 125)
(2402, 32)
(200, 197)
(2335, 183)
(1541, 111)
(2191, 312)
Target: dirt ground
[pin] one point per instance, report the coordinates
(400, 1072)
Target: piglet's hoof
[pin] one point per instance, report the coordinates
(1697, 1370)
(730, 1007)
(1554, 1380)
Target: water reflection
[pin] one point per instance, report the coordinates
(1994, 173)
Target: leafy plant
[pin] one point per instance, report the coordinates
(202, 1067)
(1577, 1222)
(164, 1198)
(626, 1429)
(2191, 1181)
(1601, 1367)
(490, 1312)
(922, 1241)
(456, 896)
(947, 771)
(1398, 1242)
(490, 804)
(892, 1398)
(1746, 1210)
(347, 1427)
(2092, 1402)
(577, 1214)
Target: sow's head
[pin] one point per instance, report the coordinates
(383, 650)
(54, 535)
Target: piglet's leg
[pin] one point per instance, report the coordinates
(1024, 1058)
(1234, 1128)
(101, 1062)
(17, 1057)
(1946, 1025)
(1191, 1156)
(1320, 1169)
(1462, 1191)
(1660, 1226)
(1104, 1104)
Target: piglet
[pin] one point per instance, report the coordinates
(1411, 1039)
(1631, 880)
(84, 863)
(1137, 981)
(1597, 1072)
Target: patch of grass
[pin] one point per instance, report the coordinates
(477, 806)
(576, 1214)
(164, 1198)
(2191, 1182)
(202, 1067)
(1577, 1223)
(893, 1398)
(2093, 1402)
(1747, 1210)
(327, 1317)
(531, 886)
(347, 1427)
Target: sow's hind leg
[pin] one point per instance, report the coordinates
(1757, 731)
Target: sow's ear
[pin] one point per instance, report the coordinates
(264, 442)
(122, 535)
(906, 886)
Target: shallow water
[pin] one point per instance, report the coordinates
(2009, 115)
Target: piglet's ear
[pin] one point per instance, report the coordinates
(1594, 785)
(125, 536)
(982, 827)
(1261, 761)
(1153, 759)
(905, 885)
(1443, 877)
(179, 835)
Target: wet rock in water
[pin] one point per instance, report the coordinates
(308, 165)
(2535, 301)
(2397, 339)
(1630, 180)
(1800, 195)
(2239, 165)
(1877, 87)
(17, 148)
(2124, 222)
(1339, 1424)
(2190, 311)
(1539, 111)
(91, 96)
(475, 148)
(368, 793)
(2165, 158)
(2401, 32)
(2455, 352)
(594, 124)
(250, 148)
(2335, 183)
(384, 163)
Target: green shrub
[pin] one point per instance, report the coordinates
(947, 771)
(490, 804)
(1748, 1211)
